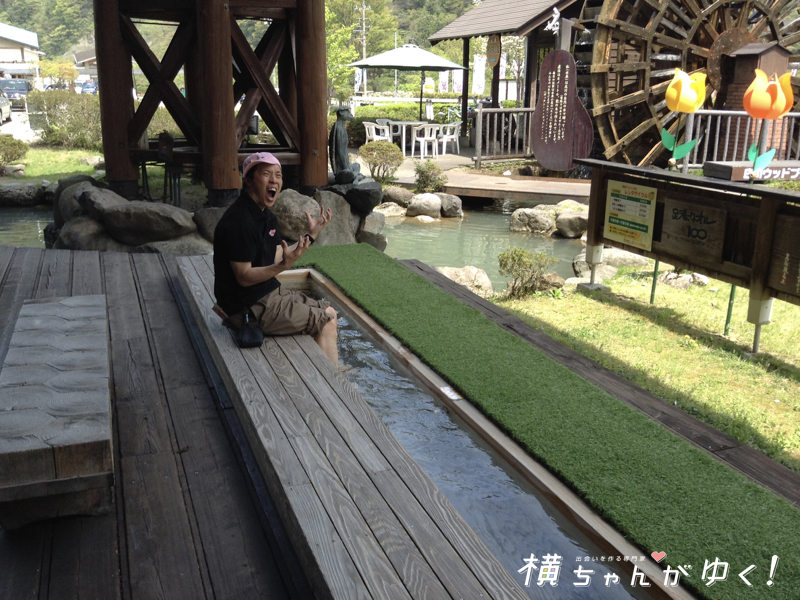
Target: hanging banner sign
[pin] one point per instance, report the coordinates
(479, 75)
(630, 214)
(493, 50)
(443, 80)
(458, 78)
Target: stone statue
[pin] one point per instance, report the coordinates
(337, 142)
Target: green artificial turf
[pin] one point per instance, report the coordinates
(662, 493)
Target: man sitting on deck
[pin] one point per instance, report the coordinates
(249, 253)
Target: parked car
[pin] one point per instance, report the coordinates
(57, 86)
(90, 87)
(16, 90)
(5, 107)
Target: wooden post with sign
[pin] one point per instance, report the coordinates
(562, 128)
(742, 234)
(494, 49)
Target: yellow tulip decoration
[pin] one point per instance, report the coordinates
(685, 94)
(766, 98)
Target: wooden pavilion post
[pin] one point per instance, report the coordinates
(496, 85)
(531, 68)
(116, 100)
(312, 92)
(220, 163)
(465, 88)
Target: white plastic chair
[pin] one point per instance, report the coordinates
(377, 132)
(449, 135)
(424, 135)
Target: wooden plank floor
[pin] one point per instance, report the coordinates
(187, 522)
(754, 464)
(366, 521)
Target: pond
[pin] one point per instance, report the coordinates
(23, 227)
(475, 240)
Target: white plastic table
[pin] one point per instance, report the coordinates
(401, 125)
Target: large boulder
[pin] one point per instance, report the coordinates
(364, 197)
(20, 194)
(571, 224)
(191, 244)
(340, 230)
(137, 222)
(451, 206)
(62, 185)
(84, 233)
(206, 220)
(550, 281)
(425, 204)
(68, 205)
(398, 195)
(612, 257)
(572, 205)
(95, 201)
(390, 209)
(370, 231)
(96, 162)
(673, 279)
(582, 269)
(473, 278)
(531, 220)
(289, 208)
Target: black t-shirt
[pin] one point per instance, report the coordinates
(245, 233)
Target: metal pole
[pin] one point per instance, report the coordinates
(478, 135)
(655, 280)
(591, 277)
(730, 310)
(757, 338)
(688, 137)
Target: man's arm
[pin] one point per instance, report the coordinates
(285, 256)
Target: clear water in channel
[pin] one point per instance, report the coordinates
(503, 509)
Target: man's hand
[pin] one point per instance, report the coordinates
(291, 254)
(318, 224)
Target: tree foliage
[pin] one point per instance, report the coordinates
(59, 69)
(340, 53)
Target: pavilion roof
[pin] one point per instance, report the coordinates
(509, 17)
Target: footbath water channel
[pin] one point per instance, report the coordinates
(512, 518)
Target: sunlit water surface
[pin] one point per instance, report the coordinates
(475, 240)
(23, 227)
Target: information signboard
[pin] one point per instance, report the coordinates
(630, 214)
(693, 231)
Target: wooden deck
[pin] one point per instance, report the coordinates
(365, 519)
(190, 517)
(749, 461)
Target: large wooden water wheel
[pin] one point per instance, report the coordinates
(636, 45)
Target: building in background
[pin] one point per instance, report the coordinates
(19, 54)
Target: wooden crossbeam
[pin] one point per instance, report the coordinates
(267, 52)
(161, 77)
(247, 59)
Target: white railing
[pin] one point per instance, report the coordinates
(726, 135)
(502, 133)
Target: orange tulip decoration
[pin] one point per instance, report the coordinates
(685, 94)
(767, 98)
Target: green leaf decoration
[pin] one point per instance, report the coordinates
(762, 162)
(667, 139)
(752, 153)
(683, 150)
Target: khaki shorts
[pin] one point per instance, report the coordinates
(282, 312)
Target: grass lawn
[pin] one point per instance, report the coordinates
(676, 350)
(44, 162)
(657, 489)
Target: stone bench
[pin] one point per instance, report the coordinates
(56, 452)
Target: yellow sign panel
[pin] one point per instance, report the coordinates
(630, 214)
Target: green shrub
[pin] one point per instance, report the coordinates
(430, 177)
(383, 159)
(11, 151)
(526, 270)
(67, 119)
(162, 121)
(509, 104)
